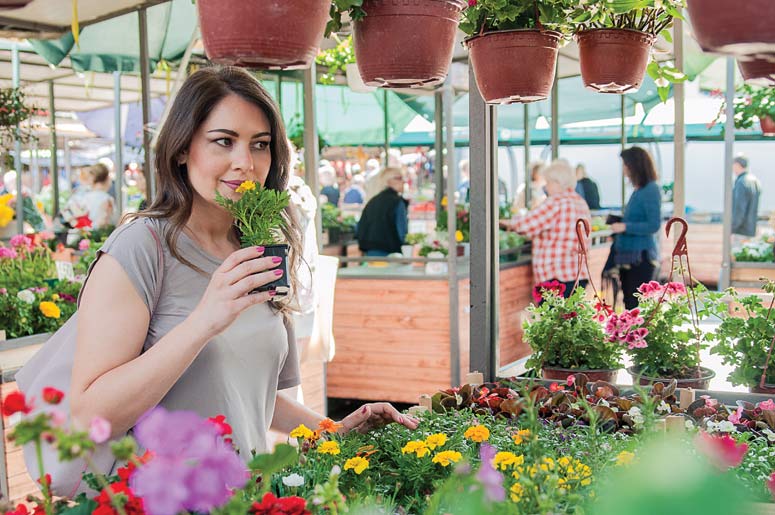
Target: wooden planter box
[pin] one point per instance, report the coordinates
(749, 274)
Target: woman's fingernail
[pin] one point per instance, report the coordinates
(272, 293)
(400, 420)
(364, 409)
(259, 249)
(277, 259)
(278, 272)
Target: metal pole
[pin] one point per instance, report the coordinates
(729, 148)
(454, 294)
(526, 144)
(387, 128)
(624, 146)
(280, 91)
(556, 117)
(145, 80)
(118, 164)
(68, 162)
(484, 233)
(34, 167)
(17, 158)
(679, 135)
(311, 151)
(54, 164)
(438, 163)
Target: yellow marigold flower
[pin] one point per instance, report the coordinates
(436, 440)
(504, 460)
(6, 198)
(444, 201)
(477, 433)
(458, 236)
(356, 464)
(302, 431)
(625, 458)
(6, 215)
(246, 186)
(417, 447)
(521, 436)
(55, 297)
(329, 426)
(329, 447)
(517, 490)
(444, 458)
(49, 309)
(564, 461)
(586, 482)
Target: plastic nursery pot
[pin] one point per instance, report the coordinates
(276, 34)
(768, 389)
(406, 44)
(697, 383)
(281, 285)
(561, 374)
(613, 60)
(768, 126)
(734, 27)
(759, 72)
(514, 65)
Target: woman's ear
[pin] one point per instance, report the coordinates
(183, 158)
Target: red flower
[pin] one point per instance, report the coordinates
(724, 451)
(220, 423)
(571, 380)
(15, 403)
(554, 387)
(132, 506)
(471, 3)
(554, 287)
(771, 484)
(45, 481)
(82, 221)
(52, 395)
(271, 505)
(568, 316)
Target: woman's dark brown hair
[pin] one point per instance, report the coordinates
(197, 97)
(640, 165)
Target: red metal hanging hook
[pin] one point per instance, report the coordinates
(583, 224)
(680, 248)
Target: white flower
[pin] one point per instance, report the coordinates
(770, 434)
(335, 470)
(293, 480)
(663, 407)
(26, 296)
(689, 424)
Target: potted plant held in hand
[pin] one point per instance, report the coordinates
(567, 336)
(661, 338)
(259, 215)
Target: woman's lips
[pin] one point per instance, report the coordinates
(232, 184)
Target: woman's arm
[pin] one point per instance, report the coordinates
(536, 221)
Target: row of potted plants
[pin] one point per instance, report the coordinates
(463, 458)
(660, 335)
(513, 44)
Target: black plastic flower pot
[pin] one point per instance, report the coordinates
(281, 285)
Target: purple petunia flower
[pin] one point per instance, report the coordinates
(491, 479)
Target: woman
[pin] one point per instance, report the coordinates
(384, 223)
(635, 251)
(97, 200)
(552, 227)
(185, 334)
(537, 189)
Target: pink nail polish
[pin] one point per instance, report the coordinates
(272, 293)
(364, 409)
(277, 259)
(259, 249)
(278, 272)
(400, 420)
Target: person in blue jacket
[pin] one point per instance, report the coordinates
(635, 247)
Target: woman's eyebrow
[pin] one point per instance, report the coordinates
(236, 135)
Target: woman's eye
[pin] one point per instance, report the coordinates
(261, 145)
(224, 142)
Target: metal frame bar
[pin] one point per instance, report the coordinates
(386, 128)
(454, 294)
(556, 115)
(526, 145)
(484, 213)
(679, 125)
(54, 163)
(311, 150)
(118, 141)
(729, 147)
(142, 17)
(17, 158)
(624, 146)
(438, 164)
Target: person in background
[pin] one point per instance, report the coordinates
(465, 180)
(373, 184)
(745, 201)
(329, 191)
(97, 200)
(552, 227)
(384, 223)
(635, 251)
(537, 191)
(587, 188)
(355, 194)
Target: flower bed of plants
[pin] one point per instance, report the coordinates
(507, 447)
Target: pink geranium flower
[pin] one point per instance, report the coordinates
(723, 451)
(767, 405)
(771, 484)
(735, 417)
(19, 241)
(650, 290)
(46, 235)
(6, 252)
(83, 244)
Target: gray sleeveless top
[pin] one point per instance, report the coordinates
(237, 373)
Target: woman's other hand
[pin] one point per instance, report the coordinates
(227, 295)
(618, 227)
(373, 416)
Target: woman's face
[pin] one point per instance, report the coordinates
(231, 146)
(626, 171)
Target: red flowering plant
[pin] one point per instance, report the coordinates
(568, 333)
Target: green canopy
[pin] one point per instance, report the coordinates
(114, 44)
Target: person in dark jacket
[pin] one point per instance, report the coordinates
(384, 222)
(635, 251)
(587, 188)
(745, 201)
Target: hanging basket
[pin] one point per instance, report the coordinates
(613, 60)
(13, 4)
(274, 34)
(733, 26)
(768, 126)
(758, 72)
(514, 65)
(406, 44)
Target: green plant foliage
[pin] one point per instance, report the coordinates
(353, 7)
(13, 111)
(259, 213)
(490, 15)
(753, 103)
(336, 59)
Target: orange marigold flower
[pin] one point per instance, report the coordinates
(329, 426)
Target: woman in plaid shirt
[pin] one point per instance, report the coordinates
(552, 227)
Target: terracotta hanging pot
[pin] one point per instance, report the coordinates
(768, 389)
(276, 34)
(406, 44)
(13, 4)
(561, 374)
(759, 72)
(768, 125)
(738, 27)
(514, 65)
(613, 60)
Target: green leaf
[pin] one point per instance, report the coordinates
(283, 456)
(653, 70)
(667, 35)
